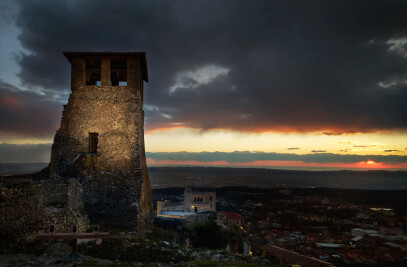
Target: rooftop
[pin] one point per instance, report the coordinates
(142, 55)
(231, 215)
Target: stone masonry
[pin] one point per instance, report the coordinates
(29, 206)
(101, 138)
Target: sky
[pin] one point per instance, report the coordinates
(231, 83)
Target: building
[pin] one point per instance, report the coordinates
(196, 206)
(199, 200)
(232, 218)
(101, 137)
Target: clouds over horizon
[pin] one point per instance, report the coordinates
(338, 67)
(248, 156)
(28, 153)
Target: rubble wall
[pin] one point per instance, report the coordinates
(28, 207)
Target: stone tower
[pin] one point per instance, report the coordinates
(101, 137)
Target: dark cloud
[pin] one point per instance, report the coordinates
(318, 151)
(11, 153)
(287, 65)
(27, 114)
(293, 148)
(331, 133)
(390, 150)
(246, 156)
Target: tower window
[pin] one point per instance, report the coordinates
(93, 70)
(93, 142)
(118, 68)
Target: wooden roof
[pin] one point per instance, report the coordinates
(231, 215)
(142, 55)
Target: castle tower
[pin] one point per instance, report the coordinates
(101, 137)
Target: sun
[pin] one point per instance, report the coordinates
(371, 162)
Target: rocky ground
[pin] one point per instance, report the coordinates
(125, 249)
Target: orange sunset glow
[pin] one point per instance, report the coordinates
(272, 163)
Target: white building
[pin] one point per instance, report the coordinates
(195, 201)
(199, 200)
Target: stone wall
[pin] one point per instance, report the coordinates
(28, 207)
(115, 113)
(115, 178)
(63, 204)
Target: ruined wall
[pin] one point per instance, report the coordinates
(115, 179)
(28, 207)
(63, 204)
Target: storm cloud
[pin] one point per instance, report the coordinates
(332, 66)
(28, 114)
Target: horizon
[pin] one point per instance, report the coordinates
(278, 168)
